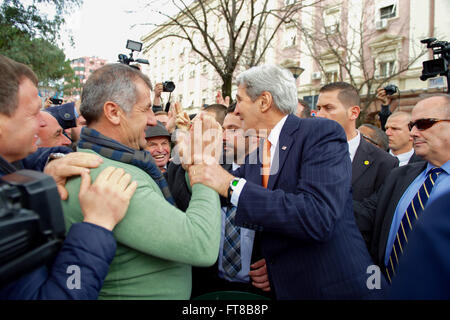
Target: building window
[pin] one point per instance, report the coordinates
(204, 68)
(331, 76)
(192, 74)
(180, 99)
(332, 19)
(289, 2)
(181, 76)
(290, 36)
(386, 69)
(388, 12)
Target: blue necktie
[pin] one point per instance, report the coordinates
(232, 244)
(412, 214)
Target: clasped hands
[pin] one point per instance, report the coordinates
(199, 147)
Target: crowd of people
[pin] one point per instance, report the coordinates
(291, 207)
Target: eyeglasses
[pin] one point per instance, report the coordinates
(424, 124)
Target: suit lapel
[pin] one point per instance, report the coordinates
(399, 189)
(362, 161)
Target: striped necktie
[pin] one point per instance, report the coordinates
(412, 214)
(231, 261)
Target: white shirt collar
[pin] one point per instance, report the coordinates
(274, 136)
(403, 158)
(235, 166)
(353, 145)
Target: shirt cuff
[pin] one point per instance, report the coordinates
(237, 192)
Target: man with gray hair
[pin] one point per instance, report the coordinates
(157, 243)
(296, 195)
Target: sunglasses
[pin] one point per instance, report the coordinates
(424, 124)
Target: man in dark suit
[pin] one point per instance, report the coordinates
(384, 211)
(302, 205)
(340, 101)
(400, 142)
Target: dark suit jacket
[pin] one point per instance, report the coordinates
(377, 211)
(414, 158)
(309, 238)
(370, 167)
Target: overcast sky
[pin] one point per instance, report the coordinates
(102, 27)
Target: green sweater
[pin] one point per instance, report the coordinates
(156, 242)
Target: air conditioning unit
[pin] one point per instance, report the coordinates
(381, 24)
(316, 75)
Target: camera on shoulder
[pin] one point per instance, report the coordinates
(32, 225)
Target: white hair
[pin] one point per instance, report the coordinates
(274, 79)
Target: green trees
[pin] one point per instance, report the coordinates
(29, 33)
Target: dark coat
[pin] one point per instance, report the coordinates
(309, 238)
(87, 246)
(370, 167)
(377, 211)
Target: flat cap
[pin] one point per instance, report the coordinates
(157, 131)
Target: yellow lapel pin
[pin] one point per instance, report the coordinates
(366, 162)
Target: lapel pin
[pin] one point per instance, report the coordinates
(366, 162)
(283, 148)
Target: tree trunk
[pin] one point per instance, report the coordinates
(226, 86)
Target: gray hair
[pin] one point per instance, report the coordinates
(274, 79)
(112, 82)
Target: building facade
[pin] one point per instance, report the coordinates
(83, 68)
(368, 43)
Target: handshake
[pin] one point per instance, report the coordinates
(199, 147)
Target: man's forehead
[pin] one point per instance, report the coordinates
(429, 108)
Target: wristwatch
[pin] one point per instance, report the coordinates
(232, 187)
(54, 156)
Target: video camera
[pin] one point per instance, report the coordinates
(133, 46)
(437, 66)
(32, 225)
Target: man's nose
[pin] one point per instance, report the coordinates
(65, 140)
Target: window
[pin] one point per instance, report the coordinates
(331, 76)
(180, 99)
(181, 76)
(191, 95)
(192, 74)
(290, 36)
(204, 68)
(79, 69)
(388, 12)
(332, 17)
(386, 69)
(289, 2)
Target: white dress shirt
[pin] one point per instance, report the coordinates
(353, 145)
(403, 158)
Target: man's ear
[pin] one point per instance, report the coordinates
(265, 101)
(354, 112)
(112, 112)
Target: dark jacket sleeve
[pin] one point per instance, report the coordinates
(87, 251)
(38, 160)
(384, 115)
(364, 212)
